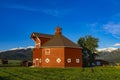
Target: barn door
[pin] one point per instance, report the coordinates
(37, 62)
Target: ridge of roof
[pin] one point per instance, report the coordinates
(42, 35)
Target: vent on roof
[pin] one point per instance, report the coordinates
(58, 31)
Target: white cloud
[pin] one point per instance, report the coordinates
(53, 12)
(17, 48)
(113, 28)
(30, 47)
(21, 48)
(92, 24)
(22, 7)
(117, 44)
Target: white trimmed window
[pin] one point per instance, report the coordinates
(58, 60)
(47, 60)
(77, 60)
(47, 51)
(69, 60)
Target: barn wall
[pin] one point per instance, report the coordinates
(37, 56)
(55, 58)
(73, 54)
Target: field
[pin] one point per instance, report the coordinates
(27, 73)
(11, 63)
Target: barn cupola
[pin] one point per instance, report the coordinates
(58, 31)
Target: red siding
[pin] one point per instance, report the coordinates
(73, 54)
(55, 53)
(37, 54)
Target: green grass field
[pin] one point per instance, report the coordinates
(11, 63)
(26, 73)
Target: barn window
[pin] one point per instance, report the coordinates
(58, 60)
(47, 60)
(47, 51)
(69, 60)
(77, 60)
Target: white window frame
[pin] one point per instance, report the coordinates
(58, 60)
(47, 60)
(77, 60)
(47, 51)
(69, 60)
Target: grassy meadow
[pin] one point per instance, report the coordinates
(27, 73)
(11, 63)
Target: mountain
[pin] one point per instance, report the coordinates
(17, 54)
(110, 55)
(110, 49)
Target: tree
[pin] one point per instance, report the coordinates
(89, 45)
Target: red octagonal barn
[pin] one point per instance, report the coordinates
(55, 51)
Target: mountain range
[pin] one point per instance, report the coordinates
(17, 54)
(108, 54)
(110, 49)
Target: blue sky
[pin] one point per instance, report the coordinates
(19, 18)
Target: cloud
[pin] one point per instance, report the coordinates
(115, 17)
(21, 7)
(22, 48)
(31, 47)
(117, 44)
(17, 48)
(94, 27)
(52, 12)
(113, 28)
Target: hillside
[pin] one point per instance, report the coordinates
(111, 56)
(18, 54)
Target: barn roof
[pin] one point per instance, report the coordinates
(36, 34)
(57, 40)
(60, 41)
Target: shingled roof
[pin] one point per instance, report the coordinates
(60, 41)
(41, 35)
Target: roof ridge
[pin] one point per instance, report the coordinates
(62, 39)
(43, 33)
